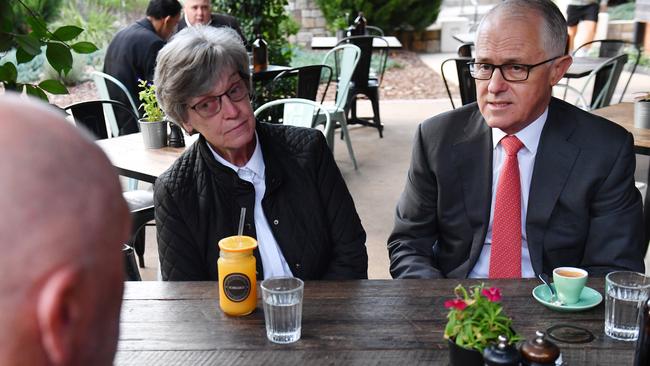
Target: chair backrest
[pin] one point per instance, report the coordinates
(367, 63)
(90, 114)
(100, 79)
(345, 59)
(605, 80)
(465, 49)
(611, 48)
(301, 82)
(466, 83)
(372, 30)
(296, 112)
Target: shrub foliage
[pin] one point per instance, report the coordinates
(390, 15)
(268, 17)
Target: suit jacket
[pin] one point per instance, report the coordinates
(130, 56)
(219, 20)
(583, 209)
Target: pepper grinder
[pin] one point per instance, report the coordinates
(501, 354)
(539, 351)
(176, 138)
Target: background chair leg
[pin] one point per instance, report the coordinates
(138, 245)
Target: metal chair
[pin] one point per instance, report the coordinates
(466, 83)
(301, 82)
(372, 30)
(605, 79)
(611, 48)
(345, 59)
(120, 93)
(296, 112)
(367, 78)
(90, 115)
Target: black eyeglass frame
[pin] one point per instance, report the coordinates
(218, 97)
(528, 67)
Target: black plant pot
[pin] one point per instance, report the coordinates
(460, 356)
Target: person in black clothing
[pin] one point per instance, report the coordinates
(197, 12)
(131, 55)
(298, 206)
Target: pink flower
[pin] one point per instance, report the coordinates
(493, 294)
(458, 304)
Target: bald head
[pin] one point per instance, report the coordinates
(62, 212)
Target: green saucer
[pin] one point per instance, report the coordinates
(588, 299)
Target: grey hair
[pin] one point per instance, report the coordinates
(554, 28)
(191, 64)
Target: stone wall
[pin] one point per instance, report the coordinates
(310, 18)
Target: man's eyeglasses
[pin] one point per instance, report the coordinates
(211, 105)
(510, 72)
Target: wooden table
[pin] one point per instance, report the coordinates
(366, 322)
(128, 155)
(326, 43)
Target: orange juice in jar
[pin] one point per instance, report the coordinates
(237, 279)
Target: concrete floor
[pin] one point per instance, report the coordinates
(383, 164)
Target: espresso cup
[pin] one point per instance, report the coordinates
(569, 282)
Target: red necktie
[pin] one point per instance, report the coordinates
(505, 255)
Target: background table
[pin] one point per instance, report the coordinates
(346, 322)
(128, 154)
(326, 43)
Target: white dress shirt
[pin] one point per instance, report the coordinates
(273, 261)
(529, 136)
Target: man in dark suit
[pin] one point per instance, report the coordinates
(518, 183)
(198, 12)
(131, 55)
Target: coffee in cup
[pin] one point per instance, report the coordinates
(569, 282)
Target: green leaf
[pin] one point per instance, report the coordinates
(59, 56)
(36, 91)
(84, 47)
(6, 41)
(38, 26)
(8, 72)
(22, 56)
(67, 33)
(6, 16)
(28, 43)
(53, 86)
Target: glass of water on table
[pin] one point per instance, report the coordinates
(282, 297)
(624, 295)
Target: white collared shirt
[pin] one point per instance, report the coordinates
(529, 136)
(273, 261)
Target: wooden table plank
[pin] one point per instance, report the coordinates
(369, 322)
(128, 154)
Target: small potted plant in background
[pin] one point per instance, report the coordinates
(642, 110)
(475, 321)
(153, 125)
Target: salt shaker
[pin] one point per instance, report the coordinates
(539, 351)
(501, 354)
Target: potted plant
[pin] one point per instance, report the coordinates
(642, 110)
(153, 125)
(475, 321)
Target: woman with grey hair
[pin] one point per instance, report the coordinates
(298, 206)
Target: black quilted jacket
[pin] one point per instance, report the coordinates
(307, 205)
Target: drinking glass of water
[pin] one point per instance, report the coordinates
(624, 293)
(282, 298)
